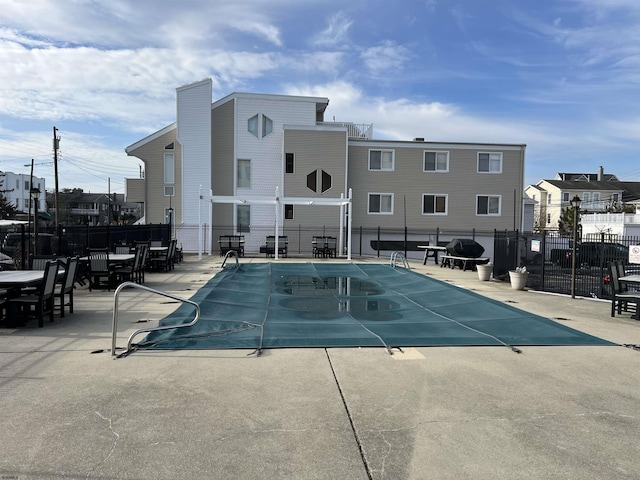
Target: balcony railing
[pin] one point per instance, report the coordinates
(354, 130)
(610, 219)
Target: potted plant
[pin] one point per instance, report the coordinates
(484, 271)
(518, 278)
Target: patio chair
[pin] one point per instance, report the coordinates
(142, 265)
(39, 262)
(331, 247)
(620, 299)
(66, 287)
(127, 272)
(122, 249)
(99, 269)
(165, 260)
(271, 245)
(235, 244)
(319, 246)
(42, 301)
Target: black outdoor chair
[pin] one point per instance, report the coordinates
(101, 273)
(65, 289)
(40, 303)
(621, 298)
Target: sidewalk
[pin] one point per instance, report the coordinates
(355, 413)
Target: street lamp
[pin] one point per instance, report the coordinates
(35, 198)
(575, 203)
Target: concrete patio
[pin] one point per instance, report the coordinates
(69, 410)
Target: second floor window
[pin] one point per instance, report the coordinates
(490, 162)
(381, 160)
(289, 165)
(436, 162)
(244, 173)
(169, 168)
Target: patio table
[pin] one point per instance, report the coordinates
(434, 249)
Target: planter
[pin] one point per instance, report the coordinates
(518, 279)
(484, 272)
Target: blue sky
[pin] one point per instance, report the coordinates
(561, 76)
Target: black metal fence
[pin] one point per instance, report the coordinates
(19, 243)
(548, 259)
(546, 256)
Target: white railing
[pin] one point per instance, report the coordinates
(354, 130)
(610, 219)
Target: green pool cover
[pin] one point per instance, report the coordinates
(272, 305)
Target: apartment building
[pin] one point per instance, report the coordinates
(253, 163)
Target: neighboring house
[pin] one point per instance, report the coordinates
(16, 187)
(80, 208)
(599, 193)
(246, 147)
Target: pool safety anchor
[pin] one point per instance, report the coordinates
(394, 260)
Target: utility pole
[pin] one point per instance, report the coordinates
(56, 145)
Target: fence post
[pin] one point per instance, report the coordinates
(405, 242)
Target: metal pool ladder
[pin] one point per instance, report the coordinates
(394, 260)
(148, 329)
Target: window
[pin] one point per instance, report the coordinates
(565, 197)
(381, 160)
(434, 204)
(169, 191)
(490, 162)
(252, 125)
(289, 166)
(586, 199)
(436, 162)
(488, 204)
(548, 199)
(596, 197)
(288, 212)
(381, 203)
(321, 178)
(17, 184)
(169, 168)
(267, 126)
(548, 218)
(243, 215)
(615, 197)
(26, 185)
(244, 173)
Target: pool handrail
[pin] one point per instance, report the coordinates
(394, 257)
(230, 253)
(124, 285)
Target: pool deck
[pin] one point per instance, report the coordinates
(340, 413)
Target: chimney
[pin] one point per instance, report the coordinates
(600, 173)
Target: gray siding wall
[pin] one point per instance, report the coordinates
(222, 162)
(152, 154)
(315, 150)
(408, 182)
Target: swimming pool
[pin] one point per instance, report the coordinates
(296, 305)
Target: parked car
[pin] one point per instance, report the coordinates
(591, 254)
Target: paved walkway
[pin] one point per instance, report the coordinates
(355, 413)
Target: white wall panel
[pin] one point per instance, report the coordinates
(194, 134)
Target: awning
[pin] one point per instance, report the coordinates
(45, 216)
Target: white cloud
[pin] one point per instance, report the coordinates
(388, 57)
(336, 33)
